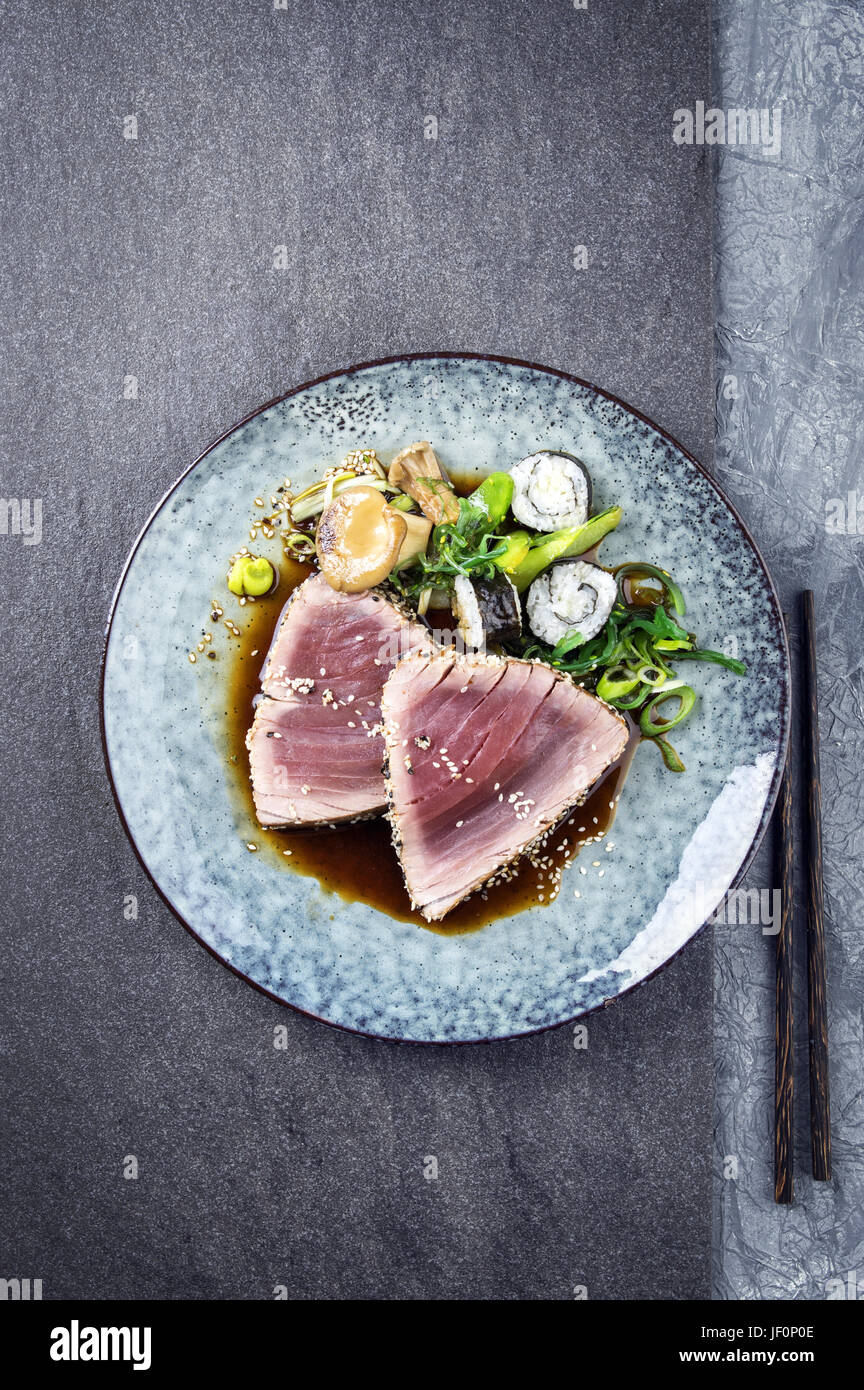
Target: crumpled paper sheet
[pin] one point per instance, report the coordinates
(790, 445)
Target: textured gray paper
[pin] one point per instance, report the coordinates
(790, 234)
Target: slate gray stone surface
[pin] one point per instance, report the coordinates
(153, 258)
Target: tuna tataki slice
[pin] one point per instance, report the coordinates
(315, 745)
(484, 755)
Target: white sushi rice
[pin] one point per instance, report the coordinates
(550, 492)
(570, 596)
(466, 611)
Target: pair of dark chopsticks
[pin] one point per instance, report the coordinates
(817, 1013)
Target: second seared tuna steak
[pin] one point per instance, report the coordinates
(315, 745)
(485, 754)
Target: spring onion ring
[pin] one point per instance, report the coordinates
(670, 588)
(686, 696)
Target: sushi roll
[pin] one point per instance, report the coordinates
(486, 610)
(551, 491)
(572, 595)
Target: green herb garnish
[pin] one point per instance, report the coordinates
(463, 547)
(628, 662)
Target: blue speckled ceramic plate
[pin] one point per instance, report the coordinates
(680, 841)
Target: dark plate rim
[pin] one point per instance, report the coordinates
(403, 358)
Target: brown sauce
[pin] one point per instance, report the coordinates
(358, 863)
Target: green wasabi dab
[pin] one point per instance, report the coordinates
(251, 575)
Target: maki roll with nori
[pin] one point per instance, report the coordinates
(551, 491)
(571, 596)
(486, 610)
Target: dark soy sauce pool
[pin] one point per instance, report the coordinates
(358, 863)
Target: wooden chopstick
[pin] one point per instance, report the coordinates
(817, 1012)
(784, 1069)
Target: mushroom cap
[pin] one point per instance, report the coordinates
(417, 471)
(358, 539)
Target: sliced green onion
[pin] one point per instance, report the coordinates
(314, 499)
(719, 658)
(653, 676)
(299, 544)
(666, 684)
(633, 701)
(616, 683)
(670, 757)
(669, 644)
(687, 699)
(675, 597)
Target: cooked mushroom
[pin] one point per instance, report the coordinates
(416, 538)
(417, 471)
(358, 540)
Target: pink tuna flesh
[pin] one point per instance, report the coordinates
(485, 755)
(315, 745)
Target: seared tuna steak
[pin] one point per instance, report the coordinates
(315, 746)
(485, 754)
